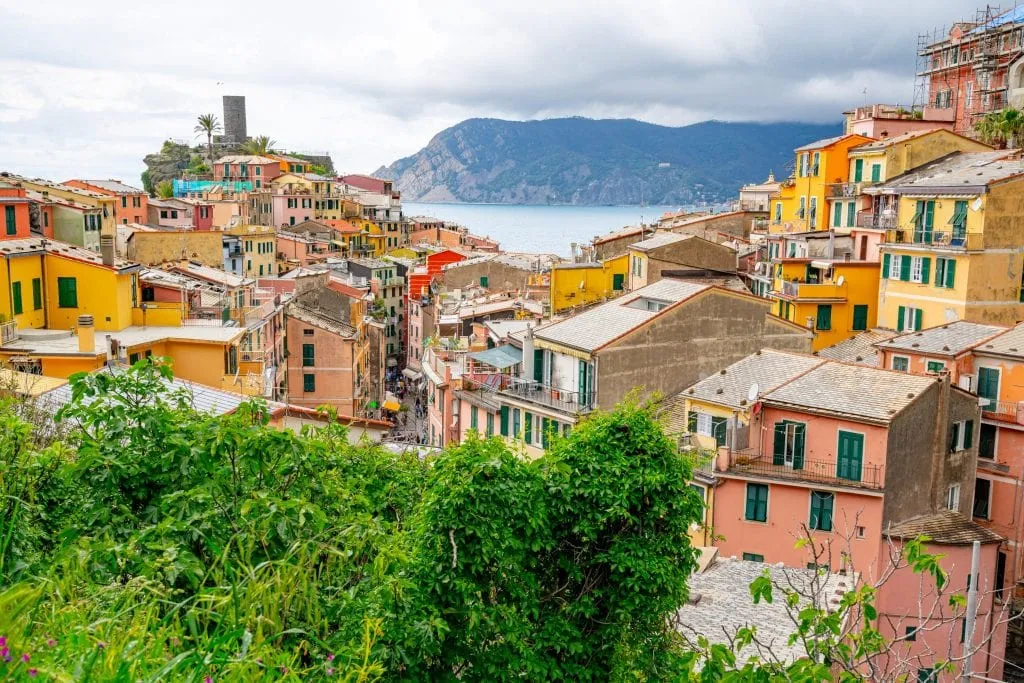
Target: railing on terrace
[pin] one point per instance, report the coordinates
(868, 219)
(954, 239)
(1004, 411)
(8, 332)
(535, 392)
(819, 471)
(251, 355)
(701, 461)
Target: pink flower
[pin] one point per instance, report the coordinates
(3, 641)
(25, 657)
(330, 671)
(5, 651)
(32, 673)
(330, 657)
(208, 679)
(51, 642)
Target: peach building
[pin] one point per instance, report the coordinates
(14, 211)
(132, 203)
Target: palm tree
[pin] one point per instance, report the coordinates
(165, 189)
(1011, 122)
(989, 128)
(260, 145)
(208, 124)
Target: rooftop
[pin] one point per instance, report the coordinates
(878, 145)
(855, 391)
(35, 245)
(115, 186)
(950, 339)
(660, 239)
(529, 262)
(245, 159)
(595, 327)
(214, 275)
(859, 349)
(165, 278)
(26, 383)
(822, 144)
(768, 369)
(502, 329)
(64, 343)
(500, 357)
(1009, 343)
(956, 173)
(621, 234)
(720, 603)
(320, 318)
(944, 527)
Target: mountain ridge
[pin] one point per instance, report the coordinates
(578, 160)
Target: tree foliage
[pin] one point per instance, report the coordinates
(156, 542)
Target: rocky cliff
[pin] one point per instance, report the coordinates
(587, 161)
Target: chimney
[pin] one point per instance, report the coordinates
(572, 246)
(107, 249)
(528, 354)
(86, 334)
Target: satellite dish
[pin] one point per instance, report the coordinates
(841, 280)
(753, 392)
(976, 204)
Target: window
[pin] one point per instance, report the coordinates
(876, 173)
(803, 165)
(945, 273)
(757, 503)
(515, 422)
(67, 292)
(483, 280)
(16, 298)
(778, 212)
(858, 170)
(617, 282)
(837, 215)
(307, 332)
(987, 441)
(894, 266)
(37, 294)
(174, 214)
(753, 557)
(916, 269)
(528, 427)
(910, 633)
(490, 424)
(953, 498)
(814, 212)
(822, 503)
(935, 366)
(959, 219)
(924, 221)
(309, 382)
(860, 317)
(788, 448)
(962, 436)
(817, 163)
(851, 214)
(803, 208)
(988, 384)
(124, 201)
(824, 321)
(504, 420)
(982, 497)
(308, 355)
(163, 213)
(901, 363)
(9, 219)
(706, 425)
(908, 319)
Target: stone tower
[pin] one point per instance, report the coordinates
(234, 119)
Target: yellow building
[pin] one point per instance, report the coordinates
(372, 240)
(580, 284)
(290, 164)
(879, 161)
(954, 251)
(259, 249)
(835, 298)
(802, 201)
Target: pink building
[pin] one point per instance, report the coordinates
(246, 168)
(889, 120)
(181, 213)
(322, 359)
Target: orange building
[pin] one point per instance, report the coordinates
(14, 211)
(132, 203)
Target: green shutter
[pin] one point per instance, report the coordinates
(851, 214)
(955, 437)
(917, 319)
(16, 298)
(824, 321)
(504, 421)
(538, 365)
(67, 292)
(617, 280)
(950, 273)
(885, 266)
(309, 383)
(988, 383)
(779, 450)
(757, 503)
(860, 317)
(837, 215)
(37, 293)
(474, 418)
(483, 280)
(968, 434)
(926, 265)
(308, 355)
(12, 226)
(527, 427)
(940, 272)
(858, 170)
(850, 460)
(905, 268)
(900, 314)
(490, 424)
(929, 217)
(545, 427)
(515, 422)
(876, 172)
(798, 453)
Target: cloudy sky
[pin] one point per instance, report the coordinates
(88, 88)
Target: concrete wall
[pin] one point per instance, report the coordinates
(153, 248)
(500, 276)
(689, 342)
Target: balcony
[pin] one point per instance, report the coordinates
(1004, 411)
(534, 392)
(867, 219)
(810, 290)
(956, 239)
(847, 190)
(816, 471)
(251, 355)
(8, 332)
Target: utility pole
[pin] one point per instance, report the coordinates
(972, 609)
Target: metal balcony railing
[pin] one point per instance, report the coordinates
(867, 219)
(818, 471)
(953, 239)
(251, 355)
(813, 290)
(8, 332)
(1004, 411)
(534, 392)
